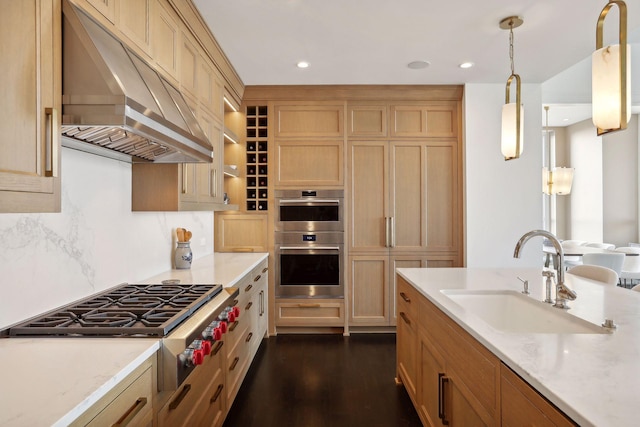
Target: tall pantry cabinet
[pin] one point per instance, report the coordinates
(405, 199)
(31, 52)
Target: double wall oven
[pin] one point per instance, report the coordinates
(309, 244)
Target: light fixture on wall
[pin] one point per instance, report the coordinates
(557, 180)
(512, 113)
(610, 80)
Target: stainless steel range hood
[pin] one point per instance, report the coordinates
(114, 102)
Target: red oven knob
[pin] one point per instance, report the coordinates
(231, 316)
(236, 311)
(197, 357)
(223, 327)
(206, 347)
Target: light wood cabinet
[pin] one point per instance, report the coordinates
(309, 163)
(200, 399)
(523, 406)
(309, 120)
(365, 121)
(165, 42)
(307, 313)
(404, 212)
(129, 403)
(454, 380)
(134, 17)
(246, 333)
(407, 339)
(236, 232)
(31, 52)
(436, 119)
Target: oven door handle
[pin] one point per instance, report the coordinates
(305, 248)
(307, 201)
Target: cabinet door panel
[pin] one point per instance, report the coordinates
(165, 39)
(29, 126)
(369, 206)
(441, 204)
(431, 366)
(309, 120)
(369, 290)
(134, 20)
(407, 195)
(367, 120)
(309, 163)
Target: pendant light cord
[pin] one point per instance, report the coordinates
(511, 47)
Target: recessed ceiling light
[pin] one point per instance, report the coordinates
(417, 65)
(466, 65)
(303, 64)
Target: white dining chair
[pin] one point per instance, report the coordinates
(612, 260)
(595, 272)
(630, 274)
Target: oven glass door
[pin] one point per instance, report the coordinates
(293, 211)
(306, 272)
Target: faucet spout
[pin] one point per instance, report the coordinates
(563, 293)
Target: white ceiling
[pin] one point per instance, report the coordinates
(372, 41)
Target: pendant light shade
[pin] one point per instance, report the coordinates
(512, 131)
(557, 181)
(611, 71)
(512, 113)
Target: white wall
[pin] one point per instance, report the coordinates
(96, 242)
(586, 211)
(503, 199)
(620, 184)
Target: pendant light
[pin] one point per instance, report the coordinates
(556, 181)
(611, 71)
(512, 113)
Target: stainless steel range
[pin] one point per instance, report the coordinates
(189, 318)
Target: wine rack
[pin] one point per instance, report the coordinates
(257, 158)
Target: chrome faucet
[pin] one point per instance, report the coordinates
(563, 293)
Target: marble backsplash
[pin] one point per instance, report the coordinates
(96, 242)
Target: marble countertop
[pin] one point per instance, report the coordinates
(593, 378)
(51, 381)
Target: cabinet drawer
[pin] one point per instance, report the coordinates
(129, 403)
(185, 403)
(236, 365)
(309, 313)
(407, 298)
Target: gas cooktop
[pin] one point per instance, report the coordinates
(129, 310)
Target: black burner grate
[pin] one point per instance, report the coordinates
(129, 310)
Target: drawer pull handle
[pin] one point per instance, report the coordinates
(303, 305)
(264, 270)
(257, 278)
(249, 337)
(216, 395)
(132, 412)
(405, 318)
(442, 380)
(234, 363)
(405, 297)
(217, 348)
(233, 326)
(242, 249)
(178, 400)
(248, 306)
(248, 288)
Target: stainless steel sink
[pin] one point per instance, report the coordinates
(512, 312)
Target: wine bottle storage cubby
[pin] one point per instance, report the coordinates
(257, 158)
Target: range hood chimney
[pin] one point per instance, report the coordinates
(115, 102)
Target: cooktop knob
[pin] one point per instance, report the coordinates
(236, 311)
(197, 357)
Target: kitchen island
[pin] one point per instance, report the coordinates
(52, 381)
(594, 378)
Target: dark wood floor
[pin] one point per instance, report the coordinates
(323, 380)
